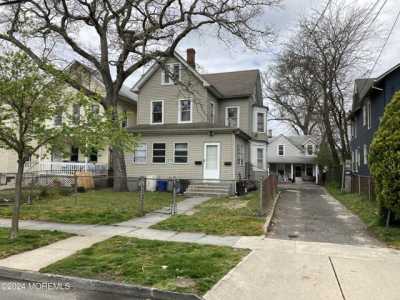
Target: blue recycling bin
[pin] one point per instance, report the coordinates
(162, 185)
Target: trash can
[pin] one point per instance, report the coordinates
(162, 185)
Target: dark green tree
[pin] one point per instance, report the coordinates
(384, 159)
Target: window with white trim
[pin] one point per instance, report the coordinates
(157, 111)
(211, 110)
(364, 114)
(159, 153)
(358, 159)
(181, 153)
(281, 150)
(310, 149)
(76, 113)
(240, 154)
(260, 158)
(124, 121)
(260, 122)
(232, 117)
(140, 154)
(185, 111)
(171, 74)
(365, 153)
(369, 116)
(58, 118)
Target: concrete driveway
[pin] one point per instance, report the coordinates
(316, 249)
(305, 212)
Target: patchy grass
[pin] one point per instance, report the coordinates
(92, 207)
(179, 267)
(368, 211)
(221, 216)
(27, 240)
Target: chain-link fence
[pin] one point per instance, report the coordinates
(142, 194)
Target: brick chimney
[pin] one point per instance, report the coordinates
(191, 57)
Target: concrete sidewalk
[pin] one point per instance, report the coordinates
(283, 269)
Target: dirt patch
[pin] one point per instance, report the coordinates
(184, 282)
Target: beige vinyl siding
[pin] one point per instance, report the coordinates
(171, 94)
(245, 112)
(8, 161)
(195, 153)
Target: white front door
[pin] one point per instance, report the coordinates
(211, 161)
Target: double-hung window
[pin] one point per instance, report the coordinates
(58, 118)
(369, 108)
(364, 114)
(281, 150)
(181, 153)
(240, 154)
(76, 113)
(365, 153)
(260, 122)
(185, 111)
(171, 74)
(159, 153)
(140, 154)
(260, 158)
(211, 112)
(232, 117)
(124, 121)
(310, 149)
(157, 112)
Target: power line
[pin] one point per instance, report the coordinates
(322, 15)
(386, 41)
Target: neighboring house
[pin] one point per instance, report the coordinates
(98, 161)
(369, 100)
(293, 157)
(209, 126)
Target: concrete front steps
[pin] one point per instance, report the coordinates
(210, 189)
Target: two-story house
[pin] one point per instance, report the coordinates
(196, 126)
(74, 160)
(369, 100)
(292, 158)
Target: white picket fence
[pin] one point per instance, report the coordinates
(66, 168)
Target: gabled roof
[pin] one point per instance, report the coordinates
(146, 76)
(234, 84)
(363, 86)
(123, 92)
(222, 85)
(296, 140)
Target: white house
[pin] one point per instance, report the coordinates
(293, 158)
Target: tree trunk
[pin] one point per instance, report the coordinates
(119, 171)
(18, 196)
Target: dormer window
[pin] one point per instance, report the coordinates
(171, 74)
(310, 149)
(281, 150)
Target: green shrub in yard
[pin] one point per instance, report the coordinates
(384, 158)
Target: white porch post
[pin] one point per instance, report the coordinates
(316, 174)
(291, 171)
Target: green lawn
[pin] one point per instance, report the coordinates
(27, 240)
(368, 212)
(221, 216)
(92, 207)
(179, 267)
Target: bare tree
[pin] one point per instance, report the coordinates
(293, 94)
(124, 35)
(330, 48)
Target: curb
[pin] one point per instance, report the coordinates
(92, 285)
(271, 214)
